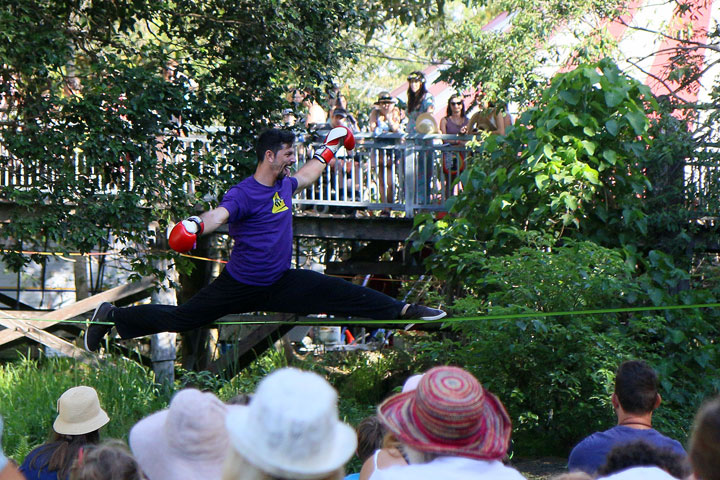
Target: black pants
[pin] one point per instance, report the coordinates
(297, 291)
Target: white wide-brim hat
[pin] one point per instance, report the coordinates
(186, 441)
(291, 428)
(79, 412)
(426, 124)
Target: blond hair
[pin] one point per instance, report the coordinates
(237, 467)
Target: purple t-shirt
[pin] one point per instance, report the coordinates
(590, 454)
(260, 222)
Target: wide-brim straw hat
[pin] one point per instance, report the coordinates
(186, 441)
(385, 97)
(426, 124)
(291, 428)
(449, 413)
(79, 412)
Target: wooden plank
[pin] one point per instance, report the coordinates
(85, 305)
(22, 314)
(45, 338)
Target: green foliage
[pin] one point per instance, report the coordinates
(570, 166)
(30, 390)
(96, 90)
(509, 66)
(555, 373)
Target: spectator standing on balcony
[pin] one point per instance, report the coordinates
(385, 117)
(490, 118)
(455, 122)
(315, 115)
(341, 103)
(420, 101)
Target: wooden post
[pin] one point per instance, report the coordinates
(162, 345)
(81, 281)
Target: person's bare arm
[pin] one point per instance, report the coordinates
(309, 173)
(213, 219)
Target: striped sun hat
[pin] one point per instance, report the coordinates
(449, 413)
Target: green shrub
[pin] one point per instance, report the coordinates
(29, 390)
(555, 373)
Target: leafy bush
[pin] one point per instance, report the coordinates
(555, 373)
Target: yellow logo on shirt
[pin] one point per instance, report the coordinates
(278, 204)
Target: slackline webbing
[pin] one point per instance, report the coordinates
(364, 321)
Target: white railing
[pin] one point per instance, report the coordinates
(391, 172)
(388, 172)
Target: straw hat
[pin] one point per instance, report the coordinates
(291, 428)
(426, 124)
(385, 97)
(449, 413)
(186, 441)
(79, 412)
(481, 121)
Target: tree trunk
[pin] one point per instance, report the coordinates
(162, 345)
(82, 289)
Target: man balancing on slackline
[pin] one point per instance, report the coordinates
(258, 276)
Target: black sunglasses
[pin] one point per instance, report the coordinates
(456, 103)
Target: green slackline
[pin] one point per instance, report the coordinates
(363, 321)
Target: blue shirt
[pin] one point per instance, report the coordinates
(39, 471)
(260, 223)
(590, 454)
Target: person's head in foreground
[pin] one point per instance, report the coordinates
(642, 454)
(77, 425)
(290, 430)
(109, 461)
(448, 414)
(636, 388)
(186, 441)
(704, 451)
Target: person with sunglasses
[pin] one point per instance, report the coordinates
(420, 100)
(455, 122)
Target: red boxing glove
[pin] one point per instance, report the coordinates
(338, 137)
(183, 236)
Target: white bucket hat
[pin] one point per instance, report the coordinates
(291, 428)
(79, 412)
(186, 441)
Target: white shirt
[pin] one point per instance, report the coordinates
(449, 468)
(643, 473)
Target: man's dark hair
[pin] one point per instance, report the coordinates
(273, 140)
(636, 386)
(643, 454)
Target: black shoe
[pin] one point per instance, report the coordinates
(421, 312)
(95, 332)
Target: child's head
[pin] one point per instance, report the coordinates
(370, 433)
(109, 461)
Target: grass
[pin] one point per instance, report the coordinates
(29, 390)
